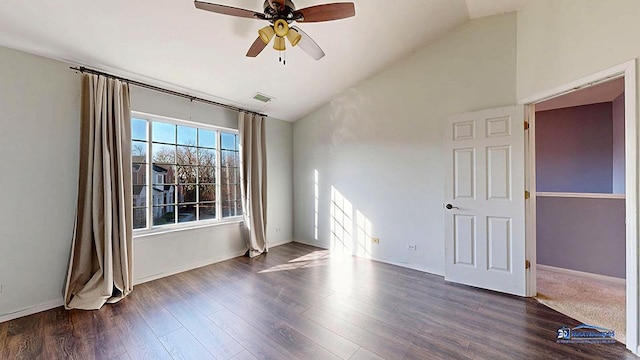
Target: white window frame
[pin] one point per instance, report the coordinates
(150, 229)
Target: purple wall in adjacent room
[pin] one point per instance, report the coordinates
(618, 145)
(582, 234)
(574, 149)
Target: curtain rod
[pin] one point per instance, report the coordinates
(83, 69)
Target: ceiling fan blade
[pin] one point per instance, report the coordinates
(325, 12)
(256, 48)
(228, 10)
(308, 45)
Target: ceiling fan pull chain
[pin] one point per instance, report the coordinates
(284, 62)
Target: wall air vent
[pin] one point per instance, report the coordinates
(262, 97)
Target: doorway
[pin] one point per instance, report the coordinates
(625, 74)
(580, 195)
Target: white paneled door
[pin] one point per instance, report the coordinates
(485, 199)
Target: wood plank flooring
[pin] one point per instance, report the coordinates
(301, 302)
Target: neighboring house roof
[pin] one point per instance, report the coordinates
(160, 169)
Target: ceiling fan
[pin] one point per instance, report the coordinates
(280, 14)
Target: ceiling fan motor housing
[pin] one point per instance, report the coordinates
(286, 14)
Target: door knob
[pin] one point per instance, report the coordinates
(449, 207)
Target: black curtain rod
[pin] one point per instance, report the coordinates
(83, 69)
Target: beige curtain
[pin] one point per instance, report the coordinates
(100, 268)
(253, 179)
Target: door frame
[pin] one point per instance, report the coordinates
(628, 71)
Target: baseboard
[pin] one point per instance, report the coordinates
(32, 310)
(610, 279)
(412, 266)
(198, 264)
(272, 245)
(404, 265)
(187, 267)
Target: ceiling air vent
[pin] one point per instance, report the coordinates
(262, 97)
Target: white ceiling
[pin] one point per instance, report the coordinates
(174, 45)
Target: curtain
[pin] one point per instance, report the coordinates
(100, 267)
(253, 182)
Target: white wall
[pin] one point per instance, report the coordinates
(379, 143)
(561, 41)
(39, 140)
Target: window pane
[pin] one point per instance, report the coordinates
(238, 192)
(187, 135)
(187, 155)
(231, 208)
(187, 193)
(139, 129)
(230, 158)
(207, 157)
(163, 132)
(207, 138)
(164, 194)
(139, 218)
(227, 192)
(163, 174)
(226, 208)
(207, 211)
(206, 175)
(139, 195)
(163, 215)
(139, 151)
(186, 213)
(165, 154)
(139, 174)
(228, 141)
(207, 193)
(187, 174)
(230, 175)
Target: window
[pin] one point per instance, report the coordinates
(189, 172)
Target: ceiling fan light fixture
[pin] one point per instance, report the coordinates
(281, 27)
(278, 44)
(266, 34)
(294, 37)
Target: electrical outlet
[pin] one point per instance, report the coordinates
(375, 240)
(413, 247)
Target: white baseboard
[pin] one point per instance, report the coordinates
(610, 279)
(187, 267)
(198, 264)
(404, 265)
(32, 310)
(272, 245)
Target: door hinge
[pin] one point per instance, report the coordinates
(527, 195)
(527, 264)
(526, 125)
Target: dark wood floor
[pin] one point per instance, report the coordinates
(301, 302)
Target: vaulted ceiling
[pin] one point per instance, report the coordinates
(172, 44)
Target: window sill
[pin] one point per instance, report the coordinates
(140, 234)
